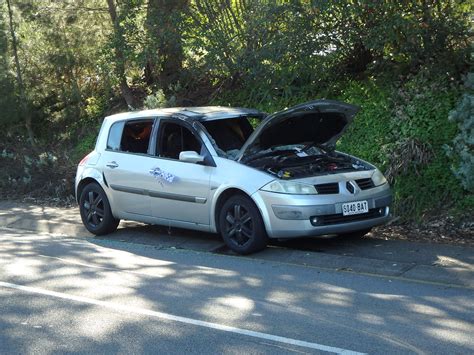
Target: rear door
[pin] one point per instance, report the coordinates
(127, 160)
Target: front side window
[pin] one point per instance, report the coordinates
(175, 138)
(130, 136)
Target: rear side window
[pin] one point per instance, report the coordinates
(115, 136)
(130, 136)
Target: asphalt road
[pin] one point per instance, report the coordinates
(71, 293)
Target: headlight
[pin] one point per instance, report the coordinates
(289, 187)
(378, 178)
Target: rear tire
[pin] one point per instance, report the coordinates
(241, 225)
(95, 210)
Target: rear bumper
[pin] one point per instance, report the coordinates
(292, 216)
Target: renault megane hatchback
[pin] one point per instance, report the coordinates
(208, 169)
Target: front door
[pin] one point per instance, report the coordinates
(181, 191)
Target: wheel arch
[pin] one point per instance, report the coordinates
(224, 196)
(82, 184)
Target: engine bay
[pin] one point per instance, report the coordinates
(298, 163)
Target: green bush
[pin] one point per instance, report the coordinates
(367, 136)
(85, 145)
(402, 128)
(463, 144)
(421, 107)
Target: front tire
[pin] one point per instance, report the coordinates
(241, 225)
(95, 210)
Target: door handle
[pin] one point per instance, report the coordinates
(112, 164)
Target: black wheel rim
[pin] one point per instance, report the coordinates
(93, 209)
(239, 225)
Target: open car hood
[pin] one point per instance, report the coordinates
(320, 122)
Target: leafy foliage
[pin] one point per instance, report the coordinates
(8, 100)
(44, 174)
(407, 122)
(159, 100)
(372, 124)
(463, 143)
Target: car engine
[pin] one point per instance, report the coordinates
(293, 165)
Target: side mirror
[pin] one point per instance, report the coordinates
(191, 157)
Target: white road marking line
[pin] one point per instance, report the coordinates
(191, 321)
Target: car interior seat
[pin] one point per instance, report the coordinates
(173, 145)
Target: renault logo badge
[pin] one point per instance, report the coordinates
(351, 187)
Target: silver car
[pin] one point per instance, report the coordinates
(208, 169)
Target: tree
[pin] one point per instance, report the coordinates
(119, 55)
(8, 101)
(165, 30)
(19, 78)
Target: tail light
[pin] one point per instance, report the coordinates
(84, 160)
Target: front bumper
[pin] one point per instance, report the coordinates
(289, 216)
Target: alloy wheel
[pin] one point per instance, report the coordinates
(94, 209)
(239, 225)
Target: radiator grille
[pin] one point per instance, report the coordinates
(365, 184)
(327, 189)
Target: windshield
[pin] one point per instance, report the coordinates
(231, 134)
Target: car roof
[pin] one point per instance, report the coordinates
(203, 113)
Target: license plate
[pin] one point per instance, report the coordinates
(356, 207)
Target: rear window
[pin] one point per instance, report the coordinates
(130, 136)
